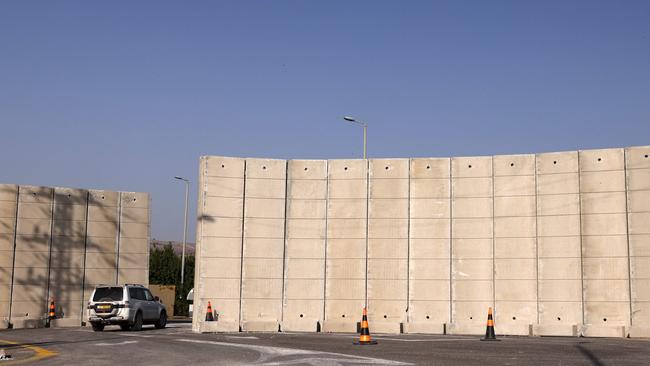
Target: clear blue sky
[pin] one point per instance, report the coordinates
(126, 94)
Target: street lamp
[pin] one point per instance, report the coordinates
(187, 191)
(365, 129)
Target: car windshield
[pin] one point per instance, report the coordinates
(108, 294)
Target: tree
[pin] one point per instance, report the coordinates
(165, 269)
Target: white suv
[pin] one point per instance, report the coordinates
(129, 306)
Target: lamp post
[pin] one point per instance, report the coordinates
(187, 192)
(365, 130)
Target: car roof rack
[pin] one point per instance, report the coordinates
(133, 284)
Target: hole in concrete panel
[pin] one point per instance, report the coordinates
(134, 200)
(514, 318)
(306, 169)
(346, 168)
(301, 315)
(554, 161)
(471, 317)
(102, 197)
(599, 159)
(427, 317)
(223, 166)
(386, 168)
(558, 318)
(604, 319)
(429, 166)
(469, 166)
(68, 195)
(343, 316)
(646, 156)
(512, 164)
(385, 316)
(263, 167)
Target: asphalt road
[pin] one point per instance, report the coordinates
(177, 345)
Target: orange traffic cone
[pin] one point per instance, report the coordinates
(209, 316)
(52, 313)
(364, 338)
(489, 331)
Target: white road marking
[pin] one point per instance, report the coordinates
(315, 357)
(115, 344)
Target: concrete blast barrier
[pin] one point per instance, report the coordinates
(304, 259)
(605, 263)
(472, 282)
(347, 225)
(637, 161)
(388, 227)
(56, 244)
(429, 256)
(515, 244)
(557, 243)
(263, 244)
(8, 208)
(219, 243)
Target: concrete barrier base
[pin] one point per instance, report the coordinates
(424, 328)
(555, 330)
(513, 329)
(466, 329)
(28, 323)
(4, 324)
(260, 326)
(65, 322)
(601, 331)
(639, 332)
(385, 327)
(339, 327)
(308, 325)
(218, 327)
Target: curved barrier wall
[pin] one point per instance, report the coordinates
(556, 243)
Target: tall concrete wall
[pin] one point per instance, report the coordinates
(57, 244)
(556, 243)
(304, 259)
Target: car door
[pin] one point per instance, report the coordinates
(137, 300)
(150, 305)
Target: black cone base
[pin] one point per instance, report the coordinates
(358, 343)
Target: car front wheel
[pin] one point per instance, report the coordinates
(97, 327)
(162, 321)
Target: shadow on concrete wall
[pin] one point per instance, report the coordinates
(52, 263)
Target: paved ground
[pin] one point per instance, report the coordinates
(178, 345)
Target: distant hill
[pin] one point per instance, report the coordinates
(176, 245)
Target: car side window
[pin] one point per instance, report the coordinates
(148, 295)
(133, 293)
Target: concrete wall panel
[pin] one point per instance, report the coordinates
(638, 200)
(515, 271)
(262, 304)
(472, 285)
(388, 224)
(303, 304)
(429, 302)
(558, 238)
(604, 171)
(8, 207)
(32, 256)
(345, 285)
(219, 241)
